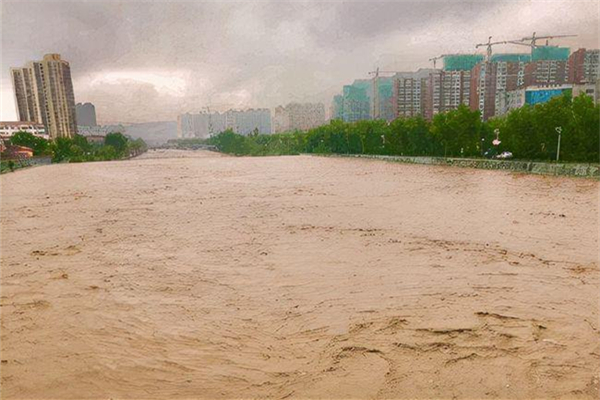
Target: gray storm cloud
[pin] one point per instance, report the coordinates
(150, 60)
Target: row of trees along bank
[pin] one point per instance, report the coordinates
(77, 149)
(528, 132)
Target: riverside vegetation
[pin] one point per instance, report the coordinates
(528, 132)
(77, 149)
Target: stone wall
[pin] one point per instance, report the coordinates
(533, 167)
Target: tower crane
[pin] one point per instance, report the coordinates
(377, 72)
(434, 59)
(533, 39)
(489, 45)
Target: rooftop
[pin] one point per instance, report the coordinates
(20, 123)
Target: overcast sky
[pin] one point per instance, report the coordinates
(141, 61)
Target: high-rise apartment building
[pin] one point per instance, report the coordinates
(584, 66)
(281, 120)
(549, 66)
(449, 88)
(86, 114)
(193, 126)
(546, 72)
(298, 116)
(490, 80)
(26, 95)
(337, 107)
(382, 95)
(249, 121)
(410, 93)
(494, 83)
(446, 90)
(354, 104)
(44, 94)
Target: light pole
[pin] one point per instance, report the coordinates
(496, 141)
(559, 131)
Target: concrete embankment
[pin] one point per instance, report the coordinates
(533, 167)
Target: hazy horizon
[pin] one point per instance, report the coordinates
(145, 61)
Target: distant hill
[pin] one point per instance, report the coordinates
(153, 133)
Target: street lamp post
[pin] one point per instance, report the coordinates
(559, 131)
(496, 142)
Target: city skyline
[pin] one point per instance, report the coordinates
(306, 57)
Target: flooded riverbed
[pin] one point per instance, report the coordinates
(187, 274)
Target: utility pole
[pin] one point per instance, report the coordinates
(559, 131)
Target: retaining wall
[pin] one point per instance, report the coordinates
(533, 167)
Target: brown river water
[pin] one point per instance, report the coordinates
(192, 275)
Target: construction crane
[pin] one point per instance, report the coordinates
(434, 59)
(375, 75)
(489, 45)
(533, 39)
(377, 72)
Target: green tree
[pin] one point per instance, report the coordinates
(459, 132)
(61, 149)
(136, 147)
(39, 145)
(106, 153)
(231, 143)
(118, 141)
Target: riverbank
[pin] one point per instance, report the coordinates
(6, 165)
(180, 274)
(19, 164)
(533, 167)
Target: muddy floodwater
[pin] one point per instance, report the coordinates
(193, 275)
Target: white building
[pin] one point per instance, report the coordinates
(531, 95)
(249, 121)
(281, 120)
(8, 129)
(194, 125)
(298, 117)
(204, 125)
(590, 89)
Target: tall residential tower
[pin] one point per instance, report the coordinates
(44, 94)
(86, 114)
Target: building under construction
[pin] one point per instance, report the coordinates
(354, 104)
(548, 66)
(461, 62)
(482, 83)
(450, 87)
(490, 80)
(382, 106)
